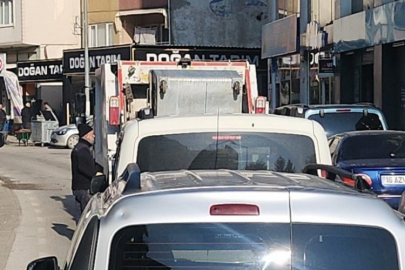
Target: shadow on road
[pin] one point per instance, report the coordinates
(69, 205)
(62, 229)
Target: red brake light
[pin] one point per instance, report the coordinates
(324, 174)
(348, 181)
(261, 105)
(234, 210)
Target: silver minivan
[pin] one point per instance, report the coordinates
(225, 219)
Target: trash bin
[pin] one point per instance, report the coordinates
(41, 131)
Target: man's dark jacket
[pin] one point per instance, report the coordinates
(83, 166)
(26, 115)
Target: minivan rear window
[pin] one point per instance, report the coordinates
(253, 246)
(339, 122)
(234, 151)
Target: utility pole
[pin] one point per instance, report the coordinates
(86, 61)
(305, 18)
(272, 62)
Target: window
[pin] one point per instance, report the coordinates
(338, 247)
(384, 146)
(200, 246)
(253, 246)
(6, 12)
(339, 122)
(85, 254)
(153, 34)
(101, 35)
(234, 151)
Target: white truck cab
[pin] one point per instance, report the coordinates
(224, 141)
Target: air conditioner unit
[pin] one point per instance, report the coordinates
(145, 36)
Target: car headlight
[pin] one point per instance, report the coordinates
(62, 131)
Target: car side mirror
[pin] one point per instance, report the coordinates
(98, 184)
(1, 140)
(48, 263)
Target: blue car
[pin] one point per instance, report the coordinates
(379, 156)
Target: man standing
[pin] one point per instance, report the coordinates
(3, 117)
(26, 115)
(83, 166)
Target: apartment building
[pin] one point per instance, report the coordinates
(33, 35)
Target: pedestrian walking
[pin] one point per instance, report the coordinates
(26, 115)
(83, 166)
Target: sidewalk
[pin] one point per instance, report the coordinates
(10, 214)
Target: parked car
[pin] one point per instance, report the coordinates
(65, 136)
(338, 118)
(377, 155)
(217, 219)
(225, 141)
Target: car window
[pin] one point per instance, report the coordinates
(382, 146)
(85, 254)
(235, 151)
(253, 246)
(339, 122)
(334, 247)
(201, 246)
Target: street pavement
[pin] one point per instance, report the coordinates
(37, 210)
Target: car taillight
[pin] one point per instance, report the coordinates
(324, 174)
(366, 178)
(352, 182)
(261, 105)
(114, 112)
(234, 210)
(348, 181)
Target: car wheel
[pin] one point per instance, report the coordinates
(72, 141)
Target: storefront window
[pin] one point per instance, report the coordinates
(289, 79)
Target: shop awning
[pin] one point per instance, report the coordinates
(141, 12)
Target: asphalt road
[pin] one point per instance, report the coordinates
(37, 209)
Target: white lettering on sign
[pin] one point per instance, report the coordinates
(95, 61)
(40, 70)
(165, 57)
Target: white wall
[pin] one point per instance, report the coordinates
(50, 23)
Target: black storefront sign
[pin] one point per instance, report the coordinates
(326, 66)
(40, 71)
(73, 61)
(173, 53)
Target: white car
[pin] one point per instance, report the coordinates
(65, 136)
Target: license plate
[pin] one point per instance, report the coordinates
(393, 179)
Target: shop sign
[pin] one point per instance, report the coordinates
(326, 67)
(199, 53)
(280, 37)
(73, 61)
(40, 71)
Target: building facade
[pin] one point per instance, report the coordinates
(164, 30)
(38, 31)
(347, 51)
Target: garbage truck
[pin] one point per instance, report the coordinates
(125, 89)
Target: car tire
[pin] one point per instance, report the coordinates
(72, 141)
